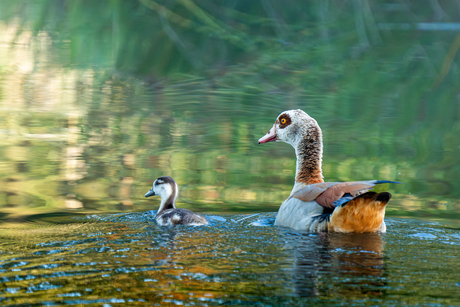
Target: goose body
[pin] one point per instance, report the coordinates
(168, 214)
(315, 205)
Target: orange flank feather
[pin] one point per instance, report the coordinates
(363, 213)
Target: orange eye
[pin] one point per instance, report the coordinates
(283, 121)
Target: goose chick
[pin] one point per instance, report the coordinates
(168, 214)
(315, 205)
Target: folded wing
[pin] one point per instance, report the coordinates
(326, 193)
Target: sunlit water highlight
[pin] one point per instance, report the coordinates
(237, 260)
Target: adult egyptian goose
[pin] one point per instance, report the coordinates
(168, 214)
(315, 205)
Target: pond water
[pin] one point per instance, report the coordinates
(237, 260)
(99, 98)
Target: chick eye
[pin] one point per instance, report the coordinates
(283, 121)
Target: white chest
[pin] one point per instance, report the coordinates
(297, 214)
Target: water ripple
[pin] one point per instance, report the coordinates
(115, 259)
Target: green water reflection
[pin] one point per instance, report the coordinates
(98, 98)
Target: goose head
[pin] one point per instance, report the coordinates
(167, 189)
(302, 132)
(291, 127)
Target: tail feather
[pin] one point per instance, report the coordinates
(383, 197)
(363, 213)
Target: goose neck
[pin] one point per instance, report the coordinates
(309, 152)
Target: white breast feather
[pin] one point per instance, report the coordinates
(297, 214)
(175, 219)
(162, 222)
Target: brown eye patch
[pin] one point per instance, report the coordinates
(284, 120)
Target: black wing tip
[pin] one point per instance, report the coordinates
(387, 181)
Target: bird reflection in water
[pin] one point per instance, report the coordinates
(353, 262)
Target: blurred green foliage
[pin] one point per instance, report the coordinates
(185, 88)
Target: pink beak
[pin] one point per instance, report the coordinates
(269, 137)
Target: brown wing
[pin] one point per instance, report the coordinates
(312, 191)
(336, 192)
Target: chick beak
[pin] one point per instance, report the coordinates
(150, 193)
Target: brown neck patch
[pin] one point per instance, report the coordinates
(309, 154)
(169, 204)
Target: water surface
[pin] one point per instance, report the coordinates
(238, 260)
